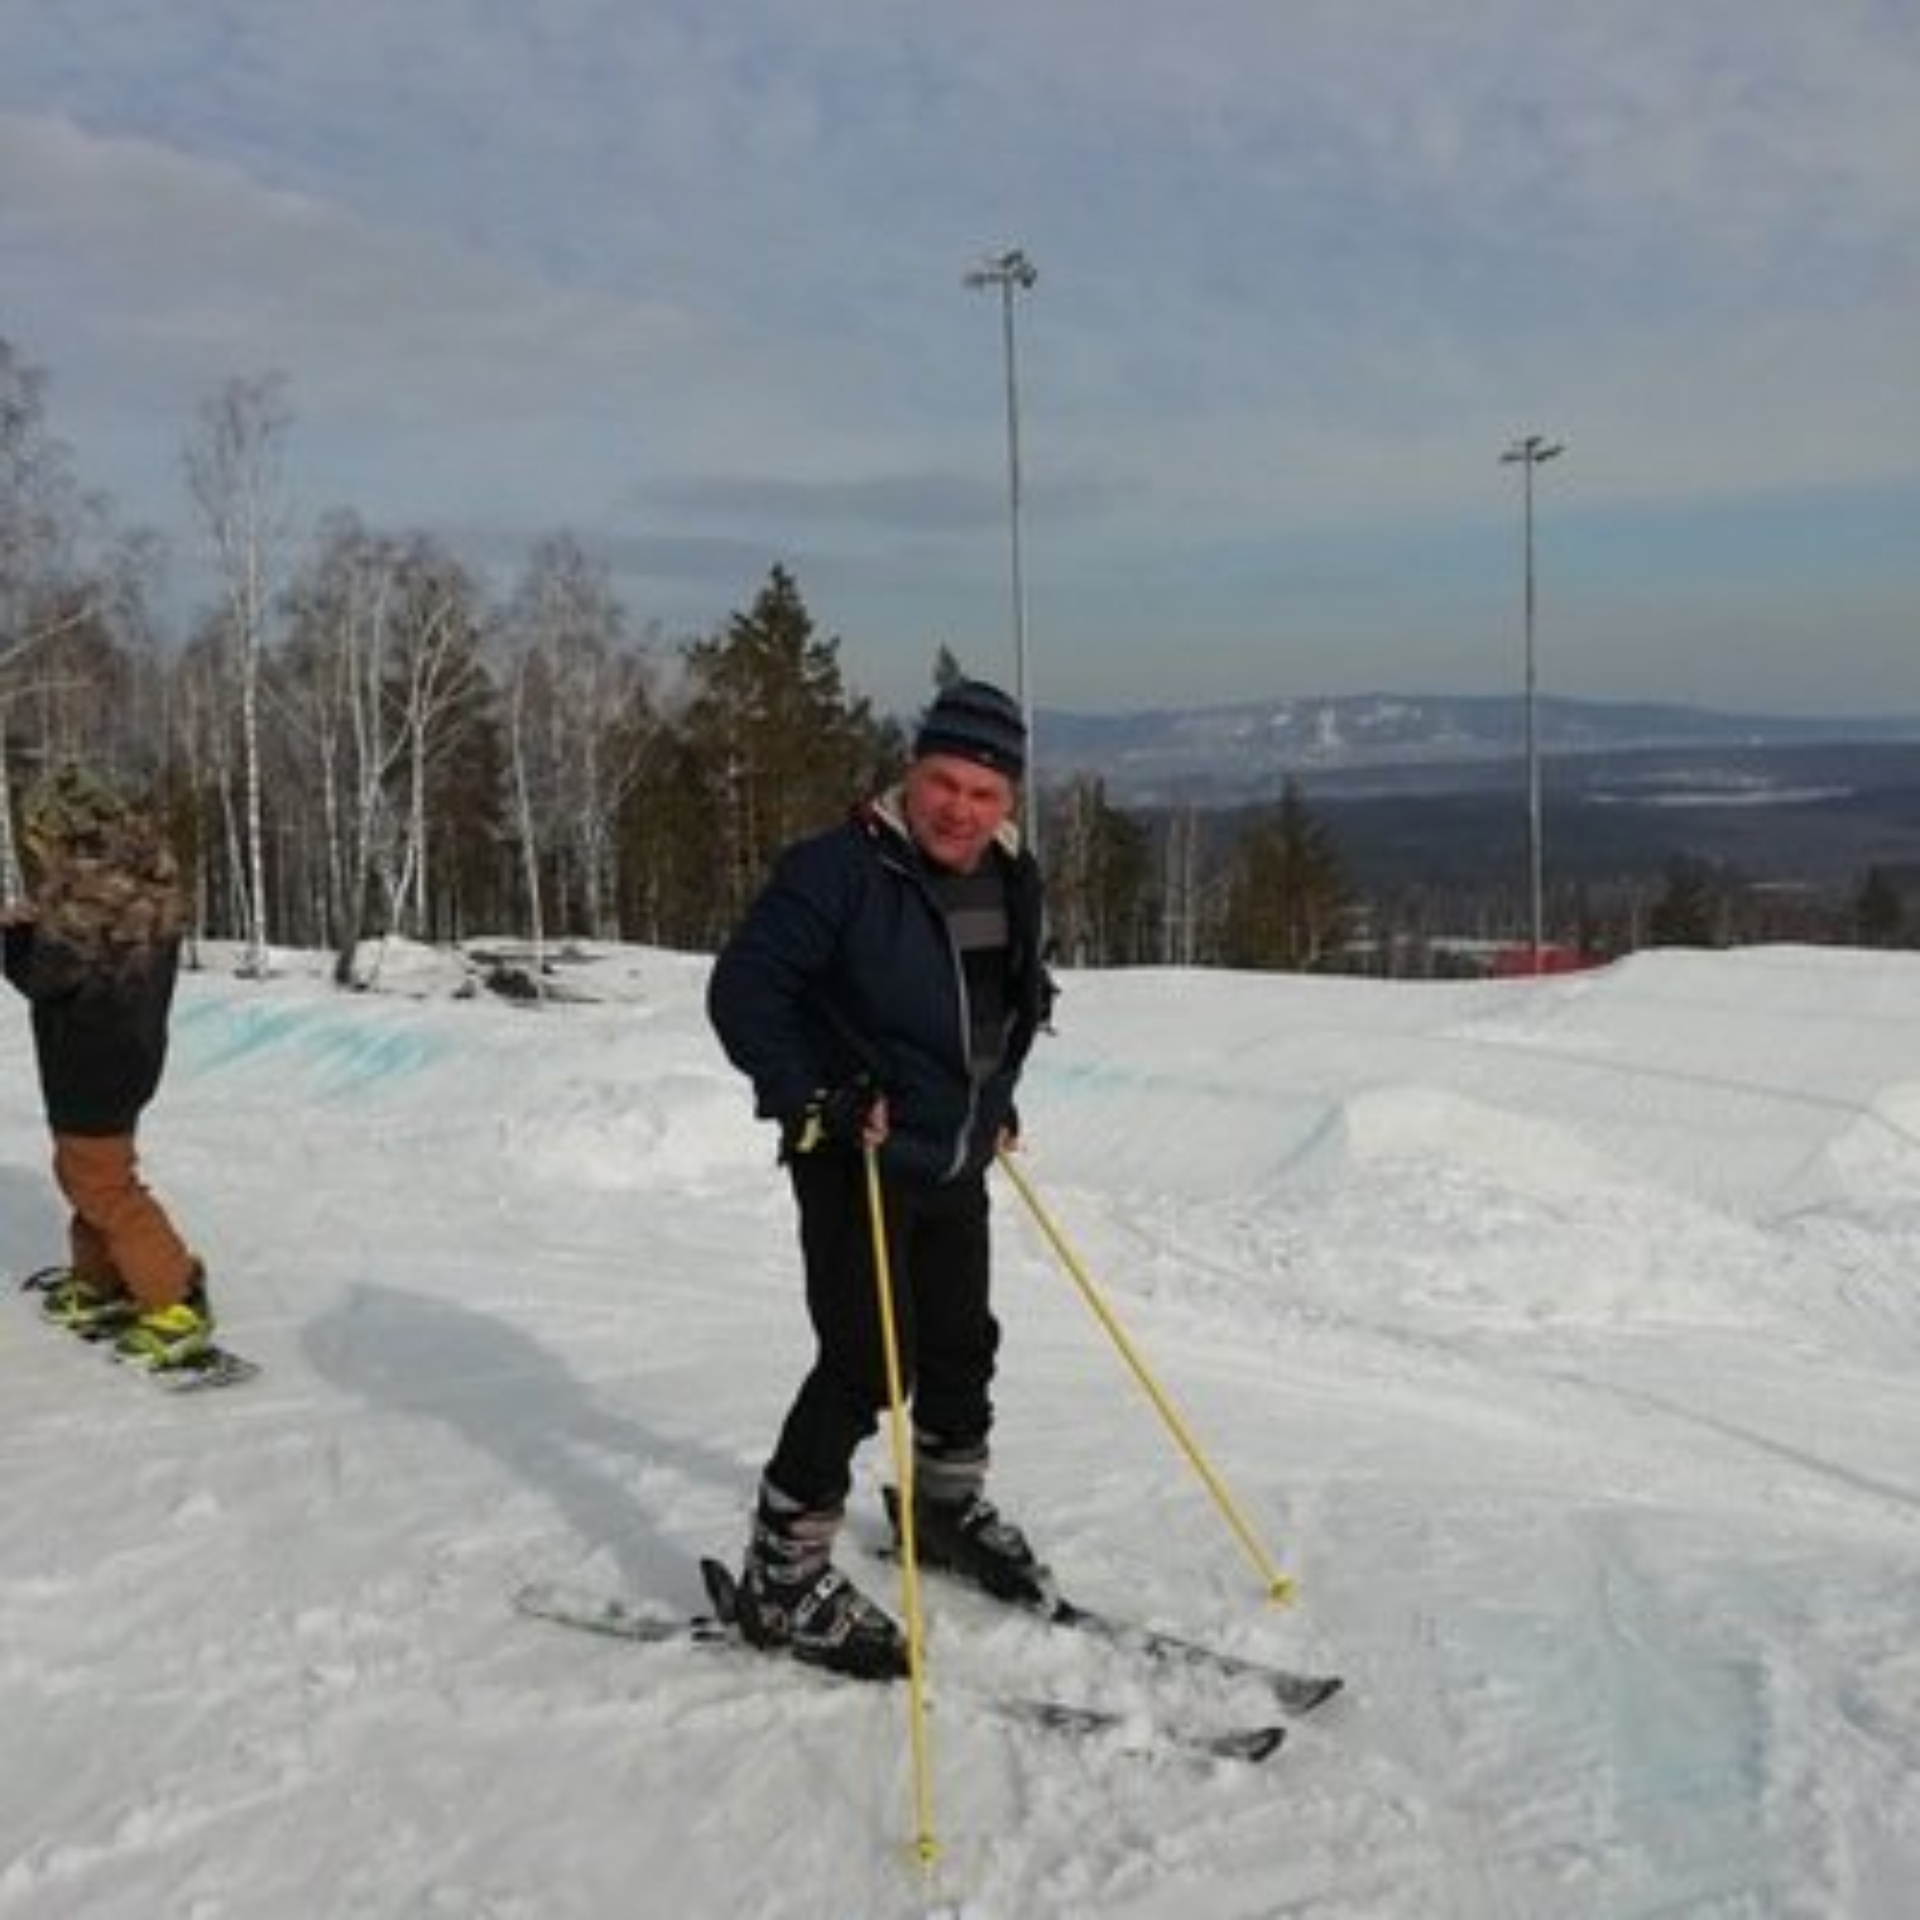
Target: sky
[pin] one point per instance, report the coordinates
(1556, 1336)
(688, 282)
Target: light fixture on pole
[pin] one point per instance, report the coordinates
(1529, 453)
(1013, 272)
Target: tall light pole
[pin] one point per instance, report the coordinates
(1529, 453)
(1013, 272)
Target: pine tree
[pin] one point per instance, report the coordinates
(779, 745)
(1689, 913)
(1879, 913)
(1288, 898)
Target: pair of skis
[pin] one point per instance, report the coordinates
(593, 1613)
(214, 1366)
(1294, 1694)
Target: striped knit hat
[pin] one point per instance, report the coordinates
(976, 722)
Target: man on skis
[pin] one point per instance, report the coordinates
(882, 993)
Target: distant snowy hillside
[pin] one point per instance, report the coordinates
(1229, 754)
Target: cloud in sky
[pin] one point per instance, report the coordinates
(686, 281)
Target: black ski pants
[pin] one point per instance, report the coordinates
(938, 1248)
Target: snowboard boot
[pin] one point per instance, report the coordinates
(90, 1307)
(163, 1337)
(956, 1527)
(792, 1598)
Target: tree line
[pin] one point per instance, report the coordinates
(357, 738)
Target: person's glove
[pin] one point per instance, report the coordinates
(832, 1117)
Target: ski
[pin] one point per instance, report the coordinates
(618, 1619)
(1296, 1693)
(1241, 1743)
(214, 1366)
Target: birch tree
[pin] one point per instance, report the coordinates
(1180, 888)
(1096, 876)
(33, 489)
(76, 659)
(39, 509)
(583, 720)
(234, 474)
(204, 741)
(338, 617)
(438, 684)
(527, 798)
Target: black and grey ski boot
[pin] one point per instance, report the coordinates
(968, 1537)
(792, 1597)
(956, 1527)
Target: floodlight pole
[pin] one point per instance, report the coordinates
(1529, 453)
(1012, 271)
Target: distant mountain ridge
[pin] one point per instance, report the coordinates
(1227, 755)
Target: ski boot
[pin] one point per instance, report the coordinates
(969, 1538)
(956, 1527)
(793, 1599)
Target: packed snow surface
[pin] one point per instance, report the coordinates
(1560, 1337)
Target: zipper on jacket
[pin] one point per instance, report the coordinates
(958, 1160)
(910, 869)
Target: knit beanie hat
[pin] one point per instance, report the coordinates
(974, 721)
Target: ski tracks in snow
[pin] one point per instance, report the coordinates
(1745, 1532)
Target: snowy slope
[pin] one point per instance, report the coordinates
(1560, 1337)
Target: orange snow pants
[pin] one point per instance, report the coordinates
(119, 1232)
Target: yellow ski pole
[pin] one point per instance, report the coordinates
(1279, 1587)
(925, 1846)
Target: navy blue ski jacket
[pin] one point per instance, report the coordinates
(843, 968)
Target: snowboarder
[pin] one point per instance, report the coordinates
(882, 993)
(95, 949)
